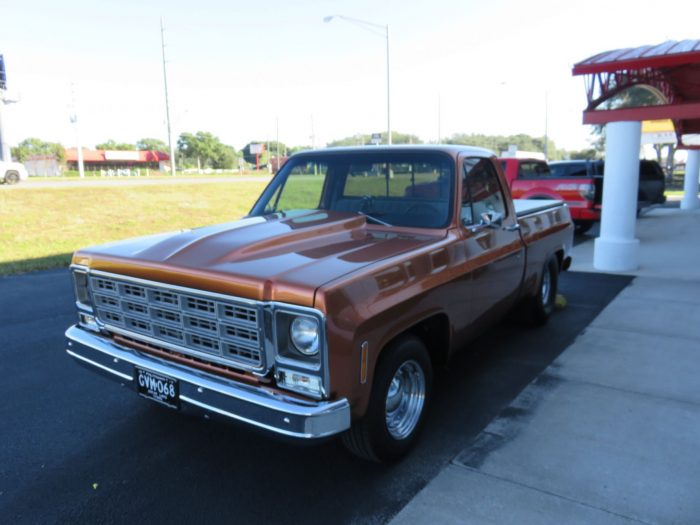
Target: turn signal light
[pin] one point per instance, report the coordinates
(300, 382)
(88, 321)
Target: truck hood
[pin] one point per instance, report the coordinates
(273, 258)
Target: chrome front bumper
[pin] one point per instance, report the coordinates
(211, 395)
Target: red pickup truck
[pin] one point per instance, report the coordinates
(579, 183)
(532, 179)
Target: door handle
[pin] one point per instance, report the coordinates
(512, 227)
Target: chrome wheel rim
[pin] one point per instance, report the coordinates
(405, 400)
(546, 286)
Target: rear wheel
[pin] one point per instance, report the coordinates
(542, 304)
(399, 398)
(581, 227)
(11, 177)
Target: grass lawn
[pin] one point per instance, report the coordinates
(41, 227)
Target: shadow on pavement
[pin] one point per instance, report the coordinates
(84, 450)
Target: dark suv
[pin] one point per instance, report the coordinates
(652, 183)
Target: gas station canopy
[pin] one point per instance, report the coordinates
(671, 69)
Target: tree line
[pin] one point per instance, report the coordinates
(205, 150)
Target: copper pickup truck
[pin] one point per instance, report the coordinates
(326, 309)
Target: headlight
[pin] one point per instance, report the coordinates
(304, 335)
(80, 284)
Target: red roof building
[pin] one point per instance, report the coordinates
(117, 158)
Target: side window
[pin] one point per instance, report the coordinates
(420, 180)
(578, 169)
(302, 190)
(527, 170)
(481, 192)
(543, 170)
(532, 170)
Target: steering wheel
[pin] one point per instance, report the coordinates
(367, 204)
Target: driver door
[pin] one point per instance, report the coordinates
(492, 241)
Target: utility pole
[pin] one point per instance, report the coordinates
(167, 104)
(74, 121)
(388, 88)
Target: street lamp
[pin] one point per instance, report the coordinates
(385, 29)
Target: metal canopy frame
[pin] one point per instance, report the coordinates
(670, 69)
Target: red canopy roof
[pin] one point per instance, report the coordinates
(107, 156)
(671, 68)
(668, 54)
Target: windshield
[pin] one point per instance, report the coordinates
(394, 189)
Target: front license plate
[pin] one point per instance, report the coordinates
(158, 388)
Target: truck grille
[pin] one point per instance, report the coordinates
(215, 328)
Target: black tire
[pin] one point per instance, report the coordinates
(581, 227)
(371, 438)
(11, 177)
(542, 304)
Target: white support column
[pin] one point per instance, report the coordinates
(617, 250)
(690, 182)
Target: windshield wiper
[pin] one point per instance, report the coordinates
(370, 218)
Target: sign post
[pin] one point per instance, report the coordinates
(257, 149)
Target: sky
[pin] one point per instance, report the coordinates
(250, 70)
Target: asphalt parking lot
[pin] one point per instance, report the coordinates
(77, 448)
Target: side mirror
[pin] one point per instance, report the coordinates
(491, 219)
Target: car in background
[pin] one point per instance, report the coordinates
(652, 181)
(12, 172)
(533, 179)
(579, 183)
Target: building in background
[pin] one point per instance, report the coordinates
(42, 166)
(118, 161)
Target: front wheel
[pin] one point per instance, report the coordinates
(398, 402)
(11, 177)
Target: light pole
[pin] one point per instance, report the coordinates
(74, 120)
(385, 29)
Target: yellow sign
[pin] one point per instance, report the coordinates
(657, 126)
(658, 132)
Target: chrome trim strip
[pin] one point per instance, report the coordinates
(98, 365)
(257, 406)
(242, 419)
